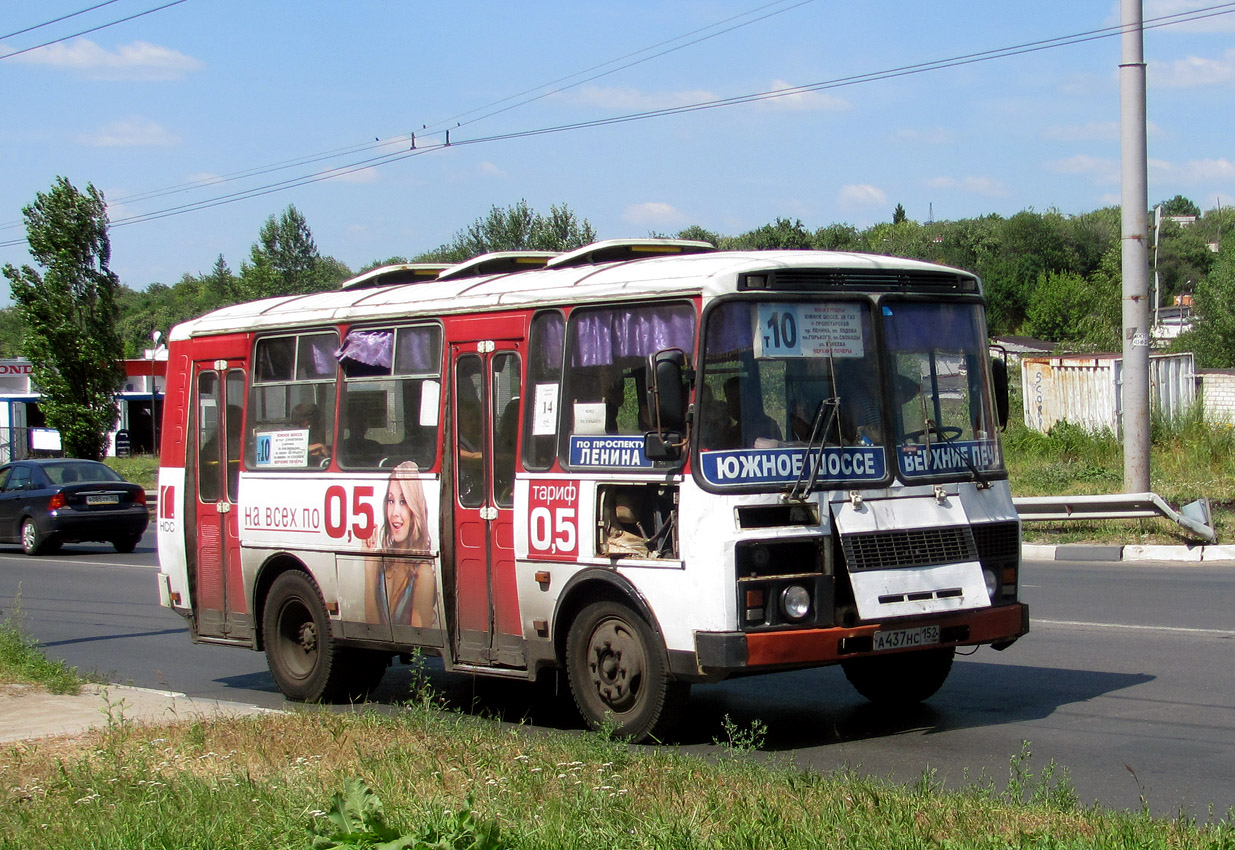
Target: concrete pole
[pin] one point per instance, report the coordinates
(1135, 232)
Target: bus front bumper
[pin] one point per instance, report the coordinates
(720, 654)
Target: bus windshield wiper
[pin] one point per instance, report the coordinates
(820, 426)
(931, 425)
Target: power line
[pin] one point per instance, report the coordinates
(93, 29)
(875, 76)
(402, 140)
(59, 19)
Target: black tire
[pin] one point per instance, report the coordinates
(365, 670)
(33, 542)
(125, 545)
(619, 674)
(901, 679)
(306, 661)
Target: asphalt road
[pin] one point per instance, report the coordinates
(1125, 681)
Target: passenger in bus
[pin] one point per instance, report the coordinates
(402, 591)
(751, 429)
(309, 418)
(357, 449)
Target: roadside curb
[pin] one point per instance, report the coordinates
(28, 712)
(1206, 553)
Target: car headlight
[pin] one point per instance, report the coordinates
(795, 602)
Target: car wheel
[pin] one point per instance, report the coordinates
(125, 545)
(32, 541)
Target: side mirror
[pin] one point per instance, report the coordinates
(667, 401)
(999, 376)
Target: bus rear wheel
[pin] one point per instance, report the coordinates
(305, 660)
(619, 676)
(902, 679)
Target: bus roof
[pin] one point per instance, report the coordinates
(708, 274)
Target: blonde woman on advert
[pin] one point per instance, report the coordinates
(400, 588)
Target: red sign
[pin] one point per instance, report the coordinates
(553, 520)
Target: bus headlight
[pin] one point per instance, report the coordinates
(992, 583)
(795, 602)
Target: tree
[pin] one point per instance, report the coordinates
(782, 234)
(1179, 205)
(515, 228)
(283, 261)
(70, 315)
(1213, 335)
(899, 214)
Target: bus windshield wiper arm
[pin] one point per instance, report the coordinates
(931, 425)
(820, 427)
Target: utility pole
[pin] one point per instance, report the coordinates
(1134, 201)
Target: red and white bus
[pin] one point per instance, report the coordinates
(645, 463)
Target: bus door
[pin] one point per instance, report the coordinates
(486, 627)
(218, 598)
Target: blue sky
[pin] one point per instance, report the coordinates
(208, 89)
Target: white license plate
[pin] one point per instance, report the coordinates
(907, 638)
(103, 500)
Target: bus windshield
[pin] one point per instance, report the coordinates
(782, 381)
(942, 403)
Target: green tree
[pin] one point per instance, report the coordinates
(1079, 312)
(11, 331)
(1179, 205)
(781, 234)
(1213, 335)
(283, 261)
(899, 214)
(699, 234)
(515, 228)
(70, 315)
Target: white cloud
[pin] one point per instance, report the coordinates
(1202, 172)
(1192, 71)
(653, 214)
(137, 61)
(986, 186)
(132, 132)
(488, 169)
(861, 195)
(925, 136)
(798, 100)
(630, 99)
(1098, 169)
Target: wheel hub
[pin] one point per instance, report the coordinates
(616, 665)
(307, 637)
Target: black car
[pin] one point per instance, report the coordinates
(44, 503)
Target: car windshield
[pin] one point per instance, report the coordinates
(73, 471)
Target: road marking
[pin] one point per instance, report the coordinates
(1135, 627)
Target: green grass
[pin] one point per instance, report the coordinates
(440, 779)
(140, 469)
(23, 662)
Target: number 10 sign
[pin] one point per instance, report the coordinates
(801, 329)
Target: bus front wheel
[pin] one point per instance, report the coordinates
(304, 658)
(619, 676)
(902, 679)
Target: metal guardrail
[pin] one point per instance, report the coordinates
(1194, 517)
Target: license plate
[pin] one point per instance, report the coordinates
(907, 638)
(109, 499)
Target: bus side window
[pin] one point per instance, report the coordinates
(543, 393)
(294, 393)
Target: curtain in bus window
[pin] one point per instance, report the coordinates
(602, 335)
(418, 351)
(367, 353)
(316, 359)
(730, 329)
